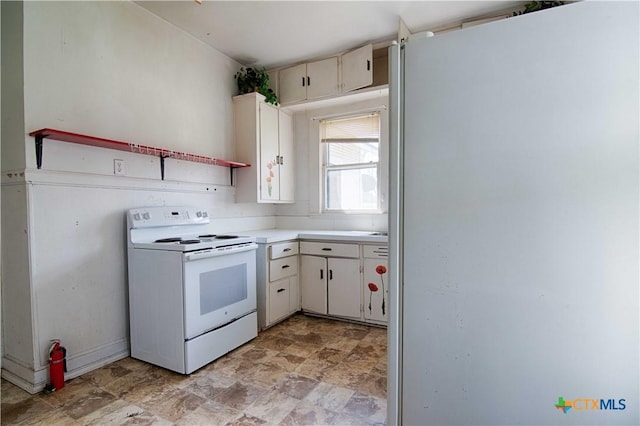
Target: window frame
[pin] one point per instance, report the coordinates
(325, 168)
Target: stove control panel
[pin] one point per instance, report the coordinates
(147, 217)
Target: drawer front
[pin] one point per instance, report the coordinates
(283, 249)
(375, 252)
(330, 249)
(278, 300)
(281, 268)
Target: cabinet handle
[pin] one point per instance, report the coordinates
(321, 275)
(308, 81)
(326, 249)
(330, 274)
(280, 290)
(285, 266)
(368, 65)
(302, 81)
(287, 249)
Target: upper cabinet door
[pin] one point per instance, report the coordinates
(292, 84)
(269, 172)
(357, 68)
(322, 78)
(287, 155)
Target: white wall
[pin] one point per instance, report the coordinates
(113, 70)
(12, 84)
(305, 213)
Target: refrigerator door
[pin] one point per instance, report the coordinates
(520, 220)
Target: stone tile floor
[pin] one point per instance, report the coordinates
(304, 371)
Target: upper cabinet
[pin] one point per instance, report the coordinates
(263, 134)
(314, 80)
(330, 77)
(292, 84)
(357, 69)
(322, 78)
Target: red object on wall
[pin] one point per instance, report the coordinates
(57, 364)
(77, 138)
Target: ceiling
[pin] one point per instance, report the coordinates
(276, 33)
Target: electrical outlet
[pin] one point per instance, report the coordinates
(118, 167)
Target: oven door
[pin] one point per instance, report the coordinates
(218, 288)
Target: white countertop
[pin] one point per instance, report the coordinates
(265, 236)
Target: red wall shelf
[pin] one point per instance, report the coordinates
(162, 153)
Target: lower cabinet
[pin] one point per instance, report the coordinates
(342, 280)
(277, 281)
(376, 283)
(331, 285)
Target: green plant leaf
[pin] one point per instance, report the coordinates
(255, 80)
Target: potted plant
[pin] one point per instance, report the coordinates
(255, 80)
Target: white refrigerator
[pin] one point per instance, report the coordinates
(514, 221)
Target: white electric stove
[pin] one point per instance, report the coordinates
(192, 294)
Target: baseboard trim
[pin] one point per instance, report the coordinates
(34, 381)
(19, 375)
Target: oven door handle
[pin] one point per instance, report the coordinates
(203, 254)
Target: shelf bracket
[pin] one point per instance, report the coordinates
(39, 139)
(162, 157)
(231, 169)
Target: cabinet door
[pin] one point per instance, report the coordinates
(269, 179)
(322, 78)
(357, 68)
(287, 165)
(292, 83)
(344, 287)
(313, 274)
(278, 300)
(376, 289)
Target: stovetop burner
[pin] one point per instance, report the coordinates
(218, 237)
(195, 241)
(168, 240)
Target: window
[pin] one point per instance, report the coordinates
(350, 167)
